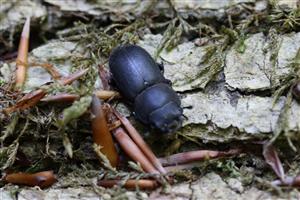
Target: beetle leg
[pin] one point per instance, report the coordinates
(161, 67)
(167, 81)
(136, 137)
(22, 58)
(162, 70)
(101, 134)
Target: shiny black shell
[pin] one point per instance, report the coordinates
(140, 80)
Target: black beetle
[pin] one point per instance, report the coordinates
(140, 80)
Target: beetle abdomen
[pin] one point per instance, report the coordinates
(133, 70)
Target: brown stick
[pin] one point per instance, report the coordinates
(132, 150)
(288, 181)
(136, 137)
(191, 156)
(64, 97)
(175, 168)
(296, 181)
(50, 69)
(142, 184)
(272, 159)
(71, 78)
(32, 98)
(27, 101)
(22, 58)
(106, 94)
(101, 134)
(42, 179)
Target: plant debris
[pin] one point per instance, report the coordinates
(235, 65)
(41, 179)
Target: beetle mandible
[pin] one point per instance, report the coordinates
(140, 80)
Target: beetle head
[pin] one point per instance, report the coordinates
(167, 119)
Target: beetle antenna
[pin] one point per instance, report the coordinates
(184, 116)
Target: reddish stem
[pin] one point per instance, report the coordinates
(143, 184)
(132, 150)
(288, 181)
(191, 156)
(61, 98)
(42, 179)
(32, 98)
(22, 58)
(136, 137)
(101, 134)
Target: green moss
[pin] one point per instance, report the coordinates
(284, 19)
